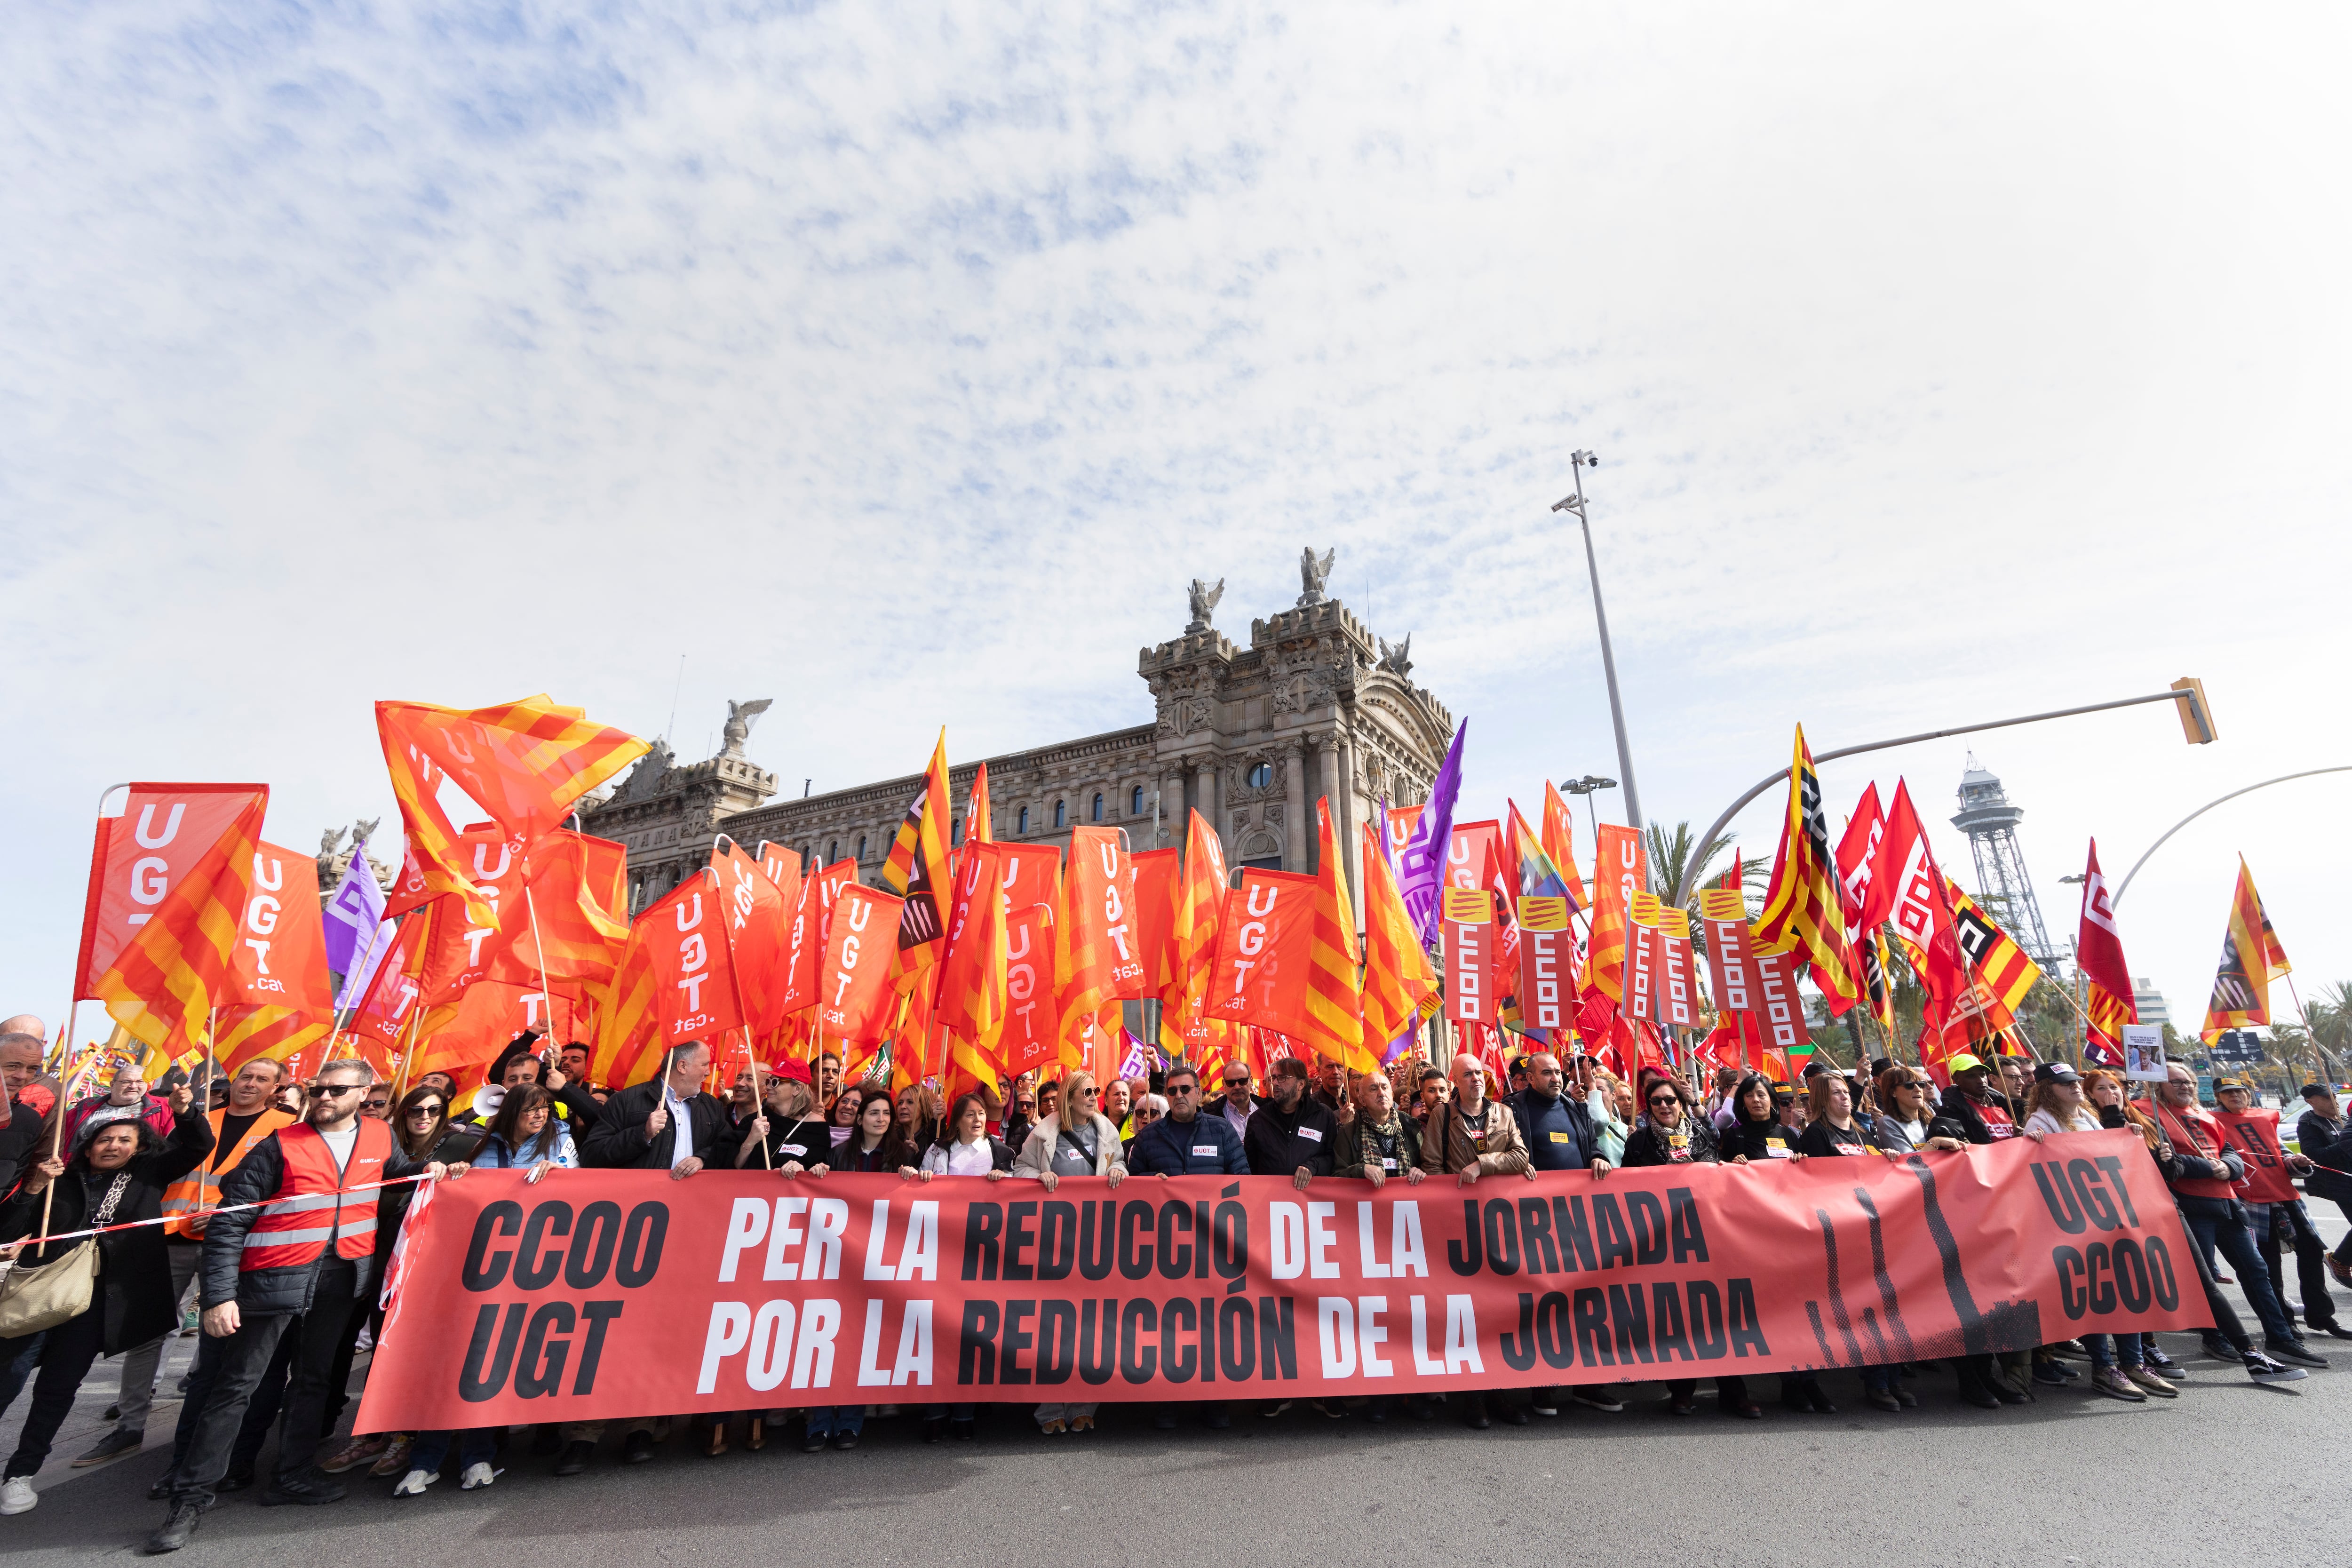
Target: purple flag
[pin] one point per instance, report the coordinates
(359, 938)
(1422, 864)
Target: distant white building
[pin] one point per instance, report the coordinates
(2149, 1001)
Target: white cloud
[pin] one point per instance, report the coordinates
(903, 362)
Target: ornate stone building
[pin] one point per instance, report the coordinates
(1250, 737)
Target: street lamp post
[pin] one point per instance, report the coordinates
(1581, 461)
(2185, 697)
(1587, 786)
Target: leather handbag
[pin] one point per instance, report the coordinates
(43, 1295)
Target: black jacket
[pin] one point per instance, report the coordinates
(618, 1143)
(1747, 1138)
(807, 1141)
(1958, 1106)
(273, 1292)
(1277, 1145)
(134, 1276)
(2313, 1132)
(16, 1139)
(1644, 1146)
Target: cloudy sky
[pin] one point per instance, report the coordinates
(902, 363)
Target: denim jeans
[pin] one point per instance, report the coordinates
(827, 1421)
(476, 1445)
(2103, 1348)
(2220, 1223)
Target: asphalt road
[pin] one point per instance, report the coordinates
(2254, 1472)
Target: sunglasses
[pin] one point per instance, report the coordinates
(1665, 1099)
(416, 1110)
(1236, 1083)
(1183, 1088)
(374, 1104)
(330, 1090)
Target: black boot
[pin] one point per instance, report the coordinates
(182, 1525)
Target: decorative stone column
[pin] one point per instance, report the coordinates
(1205, 795)
(1172, 808)
(1297, 808)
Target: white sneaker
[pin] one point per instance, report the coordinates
(18, 1496)
(414, 1483)
(477, 1475)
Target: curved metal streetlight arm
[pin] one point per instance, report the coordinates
(1707, 841)
(2308, 773)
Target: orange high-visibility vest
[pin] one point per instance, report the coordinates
(199, 1190)
(313, 1203)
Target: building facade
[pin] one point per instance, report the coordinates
(1313, 709)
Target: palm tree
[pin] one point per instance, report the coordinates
(1671, 856)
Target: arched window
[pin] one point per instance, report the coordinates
(833, 851)
(1097, 814)
(1135, 801)
(861, 846)
(955, 831)
(1061, 815)
(1260, 776)
(1024, 820)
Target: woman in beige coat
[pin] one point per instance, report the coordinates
(1077, 1140)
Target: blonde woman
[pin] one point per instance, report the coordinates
(1076, 1140)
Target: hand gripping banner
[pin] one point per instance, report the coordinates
(598, 1294)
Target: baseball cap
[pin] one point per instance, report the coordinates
(791, 1068)
(2313, 1091)
(1963, 1063)
(2056, 1072)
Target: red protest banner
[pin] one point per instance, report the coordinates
(1674, 989)
(1724, 914)
(603, 1294)
(1467, 924)
(1547, 965)
(1777, 1012)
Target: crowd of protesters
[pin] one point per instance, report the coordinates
(262, 1222)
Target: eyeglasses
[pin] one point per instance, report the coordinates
(1664, 1100)
(330, 1090)
(375, 1105)
(1024, 1105)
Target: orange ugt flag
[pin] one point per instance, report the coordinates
(176, 969)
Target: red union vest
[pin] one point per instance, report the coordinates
(313, 1203)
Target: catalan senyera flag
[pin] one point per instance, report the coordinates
(1400, 982)
(1560, 845)
(1200, 915)
(2000, 963)
(525, 763)
(1334, 997)
(629, 1046)
(916, 866)
(2251, 954)
(1620, 870)
(973, 977)
(175, 970)
(1801, 912)
(243, 1034)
